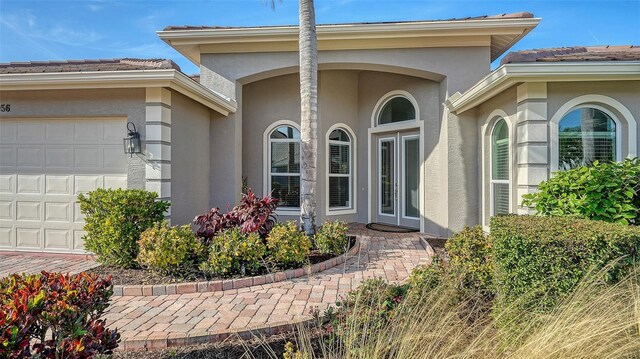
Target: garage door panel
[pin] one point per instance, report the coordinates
(7, 184)
(84, 184)
(30, 132)
(8, 156)
(57, 239)
(58, 185)
(59, 131)
(57, 212)
(45, 164)
(28, 238)
(30, 157)
(29, 184)
(88, 131)
(6, 238)
(28, 211)
(6, 210)
(59, 157)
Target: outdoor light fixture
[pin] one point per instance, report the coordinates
(132, 141)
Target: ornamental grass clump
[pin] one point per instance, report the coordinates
(331, 238)
(287, 245)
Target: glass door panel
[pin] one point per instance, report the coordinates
(387, 183)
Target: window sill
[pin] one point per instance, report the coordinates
(338, 212)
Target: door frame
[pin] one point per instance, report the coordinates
(372, 133)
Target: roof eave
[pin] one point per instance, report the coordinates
(508, 75)
(187, 41)
(169, 78)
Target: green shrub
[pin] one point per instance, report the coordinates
(427, 277)
(471, 260)
(234, 252)
(542, 259)
(170, 250)
(115, 218)
(287, 245)
(331, 238)
(603, 191)
(370, 307)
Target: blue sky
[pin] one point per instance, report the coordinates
(87, 29)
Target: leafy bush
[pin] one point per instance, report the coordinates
(603, 191)
(370, 307)
(427, 277)
(543, 258)
(331, 238)
(233, 252)
(287, 245)
(471, 260)
(170, 250)
(115, 218)
(50, 315)
(253, 214)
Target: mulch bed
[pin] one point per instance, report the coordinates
(146, 277)
(258, 348)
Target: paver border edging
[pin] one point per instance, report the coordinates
(235, 283)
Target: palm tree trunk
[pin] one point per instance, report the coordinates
(308, 115)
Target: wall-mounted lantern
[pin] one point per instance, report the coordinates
(132, 141)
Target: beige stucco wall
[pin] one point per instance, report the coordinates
(126, 103)
(349, 98)
(190, 159)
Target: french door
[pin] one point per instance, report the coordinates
(399, 179)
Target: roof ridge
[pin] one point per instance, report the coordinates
(515, 15)
(575, 54)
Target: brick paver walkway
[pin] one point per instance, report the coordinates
(140, 319)
(16, 262)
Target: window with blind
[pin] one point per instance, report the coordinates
(586, 135)
(340, 171)
(284, 166)
(500, 168)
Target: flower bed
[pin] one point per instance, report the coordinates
(141, 282)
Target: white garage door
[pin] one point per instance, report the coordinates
(44, 165)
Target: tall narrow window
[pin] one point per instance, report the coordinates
(586, 135)
(284, 166)
(500, 168)
(340, 171)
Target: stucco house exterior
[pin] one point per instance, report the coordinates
(415, 130)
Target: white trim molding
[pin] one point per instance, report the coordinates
(384, 99)
(167, 78)
(486, 192)
(353, 168)
(266, 164)
(508, 75)
(607, 105)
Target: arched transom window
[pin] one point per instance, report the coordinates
(397, 109)
(586, 135)
(340, 170)
(284, 166)
(500, 168)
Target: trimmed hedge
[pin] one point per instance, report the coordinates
(543, 258)
(115, 218)
(471, 261)
(170, 250)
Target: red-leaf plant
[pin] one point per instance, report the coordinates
(253, 214)
(51, 315)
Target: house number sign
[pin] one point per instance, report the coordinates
(5, 107)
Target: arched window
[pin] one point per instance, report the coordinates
(340, 171)
(284, 166)
(397, 109)
(586, 135)
(500, 168)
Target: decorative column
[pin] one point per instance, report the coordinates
(158, 143)
(532, 136)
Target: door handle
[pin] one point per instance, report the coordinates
(395, 192)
